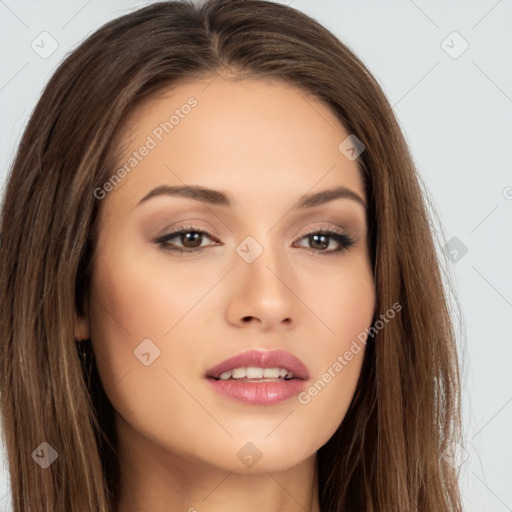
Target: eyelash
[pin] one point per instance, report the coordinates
(344, 240)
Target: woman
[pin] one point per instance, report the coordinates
(219, 286)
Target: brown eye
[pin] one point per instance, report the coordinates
(320, 240)
(189, 237)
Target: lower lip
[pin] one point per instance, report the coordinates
(259, 393)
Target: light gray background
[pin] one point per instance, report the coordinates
(456, 113)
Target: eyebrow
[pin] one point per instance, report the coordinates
(218, 198)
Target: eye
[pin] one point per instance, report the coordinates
(322, 238)
(190, 236)
(191, 239)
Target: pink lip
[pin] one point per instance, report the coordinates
(260, 393)
(262, 359)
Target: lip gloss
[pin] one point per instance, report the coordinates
(258, 393)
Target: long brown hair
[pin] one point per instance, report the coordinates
(386, 454)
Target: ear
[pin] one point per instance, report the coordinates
(82, 328)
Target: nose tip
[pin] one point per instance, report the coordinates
(261, 291)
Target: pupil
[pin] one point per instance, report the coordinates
(193, 236)
(323, 245)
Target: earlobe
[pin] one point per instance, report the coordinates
(81, 328)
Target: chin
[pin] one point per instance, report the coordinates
(263, 455)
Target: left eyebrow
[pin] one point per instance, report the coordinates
(218, 198)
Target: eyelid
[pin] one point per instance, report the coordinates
(343, 237)
(331, 229)
(169, 230)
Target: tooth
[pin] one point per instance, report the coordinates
(239, 373)
(254, 373)
(272, 373)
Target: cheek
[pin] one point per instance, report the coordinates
(142, 297)
(140, 307)
(346, 308)
(130, 305)
(342, 296)
(133, 307)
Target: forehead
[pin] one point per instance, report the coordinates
(240, 135)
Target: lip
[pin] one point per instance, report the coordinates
(262, 359)
(260, 393)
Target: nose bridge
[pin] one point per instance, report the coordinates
(262, 275)
(264, 257)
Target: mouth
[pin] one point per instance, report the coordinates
(259, 377)
(258, 366)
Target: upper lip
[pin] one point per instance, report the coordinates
(262, 359)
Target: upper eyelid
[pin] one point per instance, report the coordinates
(347, 220)
(185, 228)
(323, 228)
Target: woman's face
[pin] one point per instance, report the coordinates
(166, 308)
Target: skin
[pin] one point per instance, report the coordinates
(265, 144)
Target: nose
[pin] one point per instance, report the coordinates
(261, 293)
